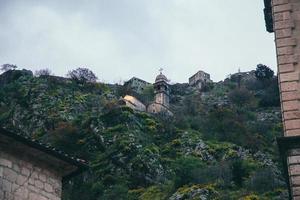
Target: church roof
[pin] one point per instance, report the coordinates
(160, 78)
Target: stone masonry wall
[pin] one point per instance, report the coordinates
(25, 179)
(286, 17)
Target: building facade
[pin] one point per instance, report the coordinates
(32, 171)
(283, 18)
(133, 103)
(136, 84)
(199, 79)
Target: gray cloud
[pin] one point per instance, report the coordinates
(118, 39)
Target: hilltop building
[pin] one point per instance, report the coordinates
(162, 96)
(199, 79)
(133, 103)
(136, 84)
(30, 170)
(161, 100)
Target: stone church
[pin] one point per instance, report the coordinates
(161, 100)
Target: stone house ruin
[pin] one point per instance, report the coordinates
(136, 84)
(283, 18)
(30, 170)
(199, 79)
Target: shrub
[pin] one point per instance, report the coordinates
(43, 72)
(263, 72)
(7, 67)
(82, 75)
(241, 97)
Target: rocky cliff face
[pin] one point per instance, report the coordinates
(217, 146)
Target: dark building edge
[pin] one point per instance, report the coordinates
(268, 16)
(284, 145)
(79, 163)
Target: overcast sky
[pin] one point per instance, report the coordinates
(118, 39)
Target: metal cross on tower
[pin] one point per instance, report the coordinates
(161, 69)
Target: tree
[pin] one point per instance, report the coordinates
(241, 97)
(7, 67)
(263, 72)
(82, 75)
(43, 72)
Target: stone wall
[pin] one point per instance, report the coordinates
(23, 178)
(286, 21)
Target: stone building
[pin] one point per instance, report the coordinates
(133, 103)
(199, 79)
(162, 96)
(32, 171)
(283, 18)
(136, 84)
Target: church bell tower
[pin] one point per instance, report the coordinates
(162, 90)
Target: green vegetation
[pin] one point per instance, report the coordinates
(219, 145)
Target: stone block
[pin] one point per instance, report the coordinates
(34, 189)
(283, 42)
(6, 163)
(296, 198)
(284, 24)
(1, 171)
(290, 105)
(21, 180)
(289, 86)
(282, 8)
(286, 68)
(291, 115)
(7, 185)
(294, 132)
(296, 191)
(282, 16)
(10, 175)
(288, 50)
(49, 188)
(279, 2)
(288, 96)
(25, 171)
(294, 160)
(291, 76)
(287, 59)
(284, 33)
(294, 170)
(292, 124)
(42, 177)
(16, 167)
(295, 181)
(39, 184)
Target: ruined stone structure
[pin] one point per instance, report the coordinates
(199, 79)
(31, 170)
(162, 96)
(283, 18)
(136, 84)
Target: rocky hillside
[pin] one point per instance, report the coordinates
(220, 144)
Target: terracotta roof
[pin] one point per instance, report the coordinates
(81, 164)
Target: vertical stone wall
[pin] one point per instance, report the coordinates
(286, 21)
(26, 179)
